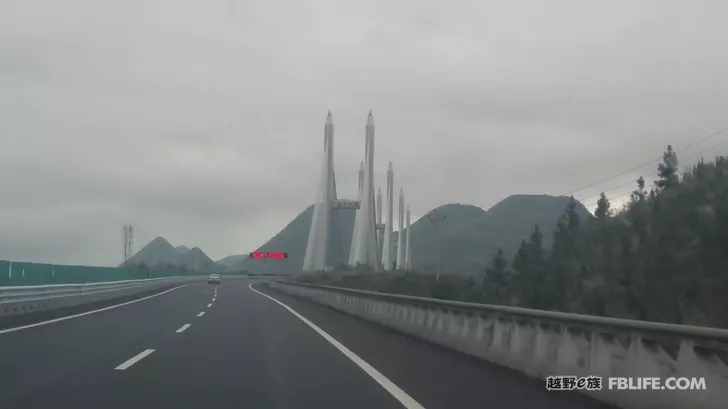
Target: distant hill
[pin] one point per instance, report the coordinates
(437, 237)
(455, 237)
(463, 238)
(293, 239)
(196, 259)
(158, 251)
(230, 261)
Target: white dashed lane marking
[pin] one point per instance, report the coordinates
(134, 360)
(183, 328)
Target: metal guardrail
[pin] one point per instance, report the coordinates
(543, 343)
(18, 300)
(11, 294)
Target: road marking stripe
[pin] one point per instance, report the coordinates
(183, 328)
(394, 390)
(134, 360)
(38, 324)
(209, 305)
(201, 314)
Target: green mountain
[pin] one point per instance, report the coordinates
(293, 240)
(158, 251)
(454, 237)
(195, 259)
(463, 238)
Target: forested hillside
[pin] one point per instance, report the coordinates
(663, 257)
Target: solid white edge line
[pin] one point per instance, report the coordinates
(134, 360)
(38, 324)
(183, 328)
(201, 314)
(394, 390)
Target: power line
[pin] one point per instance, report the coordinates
(616, 187)
(620, 196)
(655, 172)
(610, 178)
(644, 164)
(651, 174)
(705, 150)
(704, 138)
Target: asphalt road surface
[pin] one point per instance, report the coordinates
(228, 346)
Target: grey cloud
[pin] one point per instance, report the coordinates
(202, 121)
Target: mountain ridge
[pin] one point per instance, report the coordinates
(160, 253)
(468, 246)
(454, 236)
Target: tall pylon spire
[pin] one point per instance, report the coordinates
(400, 235)
(324, 237)
(407, 246)
(388, 257)
(364, 241)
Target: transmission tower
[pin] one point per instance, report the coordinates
(128, 242)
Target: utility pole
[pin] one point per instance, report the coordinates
(128, 242)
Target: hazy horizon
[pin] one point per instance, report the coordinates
(202, 122)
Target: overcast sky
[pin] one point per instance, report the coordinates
(202, 121)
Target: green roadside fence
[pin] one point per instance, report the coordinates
(16, 273)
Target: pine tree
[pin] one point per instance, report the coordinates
(520, 280)
(639, 194)
(561, 230)
(496, 279)
(667, 170)
(603, 210)
(536, 243)
(532, 271)
(572, 217)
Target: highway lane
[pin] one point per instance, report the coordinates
(35, 359)
(245, 351)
